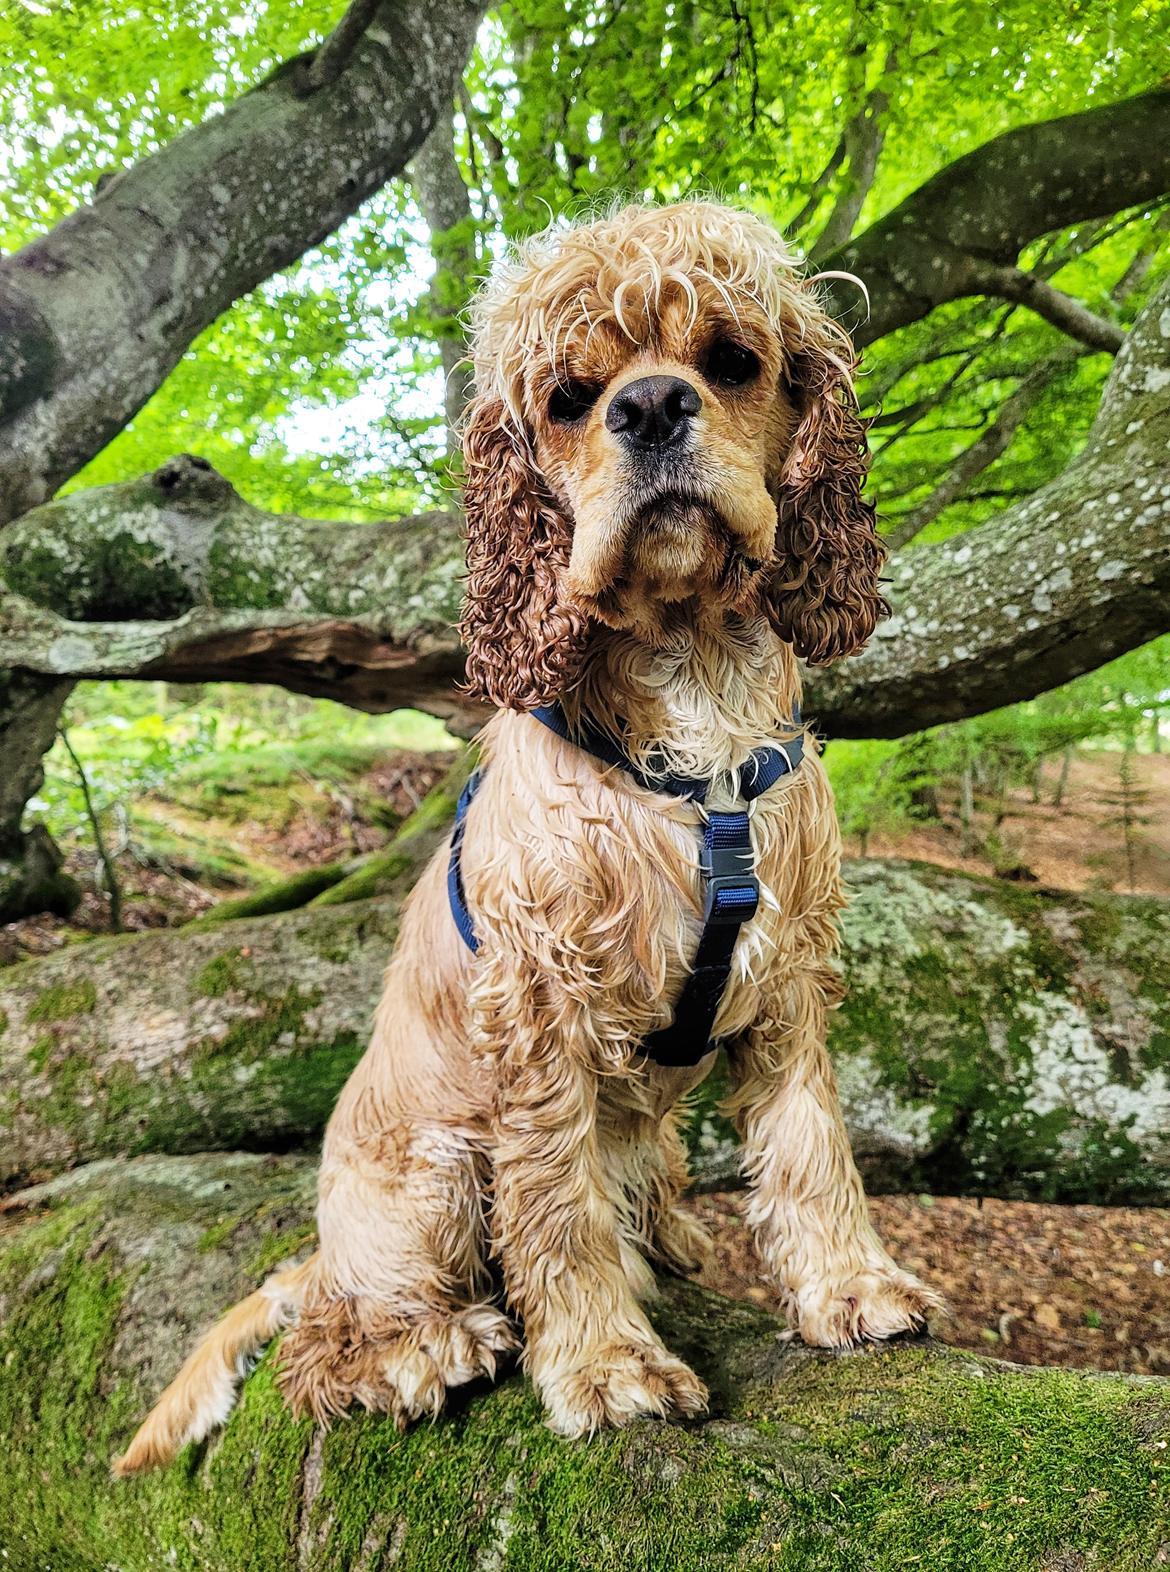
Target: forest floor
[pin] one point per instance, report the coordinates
(1078, 843)
(1037, 1284)
(1074, 1285)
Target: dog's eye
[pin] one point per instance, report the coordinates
(729, 364)
(571, 401)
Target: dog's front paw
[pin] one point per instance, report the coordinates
(344, 1355)
(618, 1382)
(874, 1302)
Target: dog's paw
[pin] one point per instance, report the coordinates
(875, 1302)
(619, 1382)
(682, 1242)
(331, 1364)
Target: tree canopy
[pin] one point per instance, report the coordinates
(214, 240)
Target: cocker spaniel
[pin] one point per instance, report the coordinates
(664, 468)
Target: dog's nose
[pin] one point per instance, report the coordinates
(653, 411)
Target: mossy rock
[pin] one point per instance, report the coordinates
(912, 1455)
(994, 1040)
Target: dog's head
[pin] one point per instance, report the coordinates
(664, 413)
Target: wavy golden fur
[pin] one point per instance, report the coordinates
(664, 503)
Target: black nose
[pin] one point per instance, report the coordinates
(653, 411)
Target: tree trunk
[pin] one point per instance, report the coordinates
(880, 1459)
(31, 879)
(995, 1039)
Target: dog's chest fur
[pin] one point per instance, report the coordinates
(601, 879)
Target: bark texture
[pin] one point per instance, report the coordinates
(994, 1040)
(811, 1461)
(1054, 586)
(95, 314)
(31, 878)
(176, 576)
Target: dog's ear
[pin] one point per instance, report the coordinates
(823, 595)
(524, 645)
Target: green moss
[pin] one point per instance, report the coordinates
(64, 1000)
(211, 1238)
(135, 579)
(282, 895)
(903, 1457)
(221, 974)
(3, 1022)
(238, 580)
(280, 1246)
(41, 1052)
(249, 1038)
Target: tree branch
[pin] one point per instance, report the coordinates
(1063, 311)
(983, 209)
(816, 191)
(96, 313)
(808, 1458)
(331, 58)
(863, 138)
(1073, 576)
(983, 452)
(443, 196)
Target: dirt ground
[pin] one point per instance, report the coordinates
(1052, 1285)
(1079, 845)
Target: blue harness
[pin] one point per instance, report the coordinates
(731, 891)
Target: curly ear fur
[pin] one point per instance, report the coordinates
(824, 596)
(524, 647)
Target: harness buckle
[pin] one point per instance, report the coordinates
(732, 890)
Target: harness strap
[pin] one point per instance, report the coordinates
(732, 899)
(455, 894)
(731, 889)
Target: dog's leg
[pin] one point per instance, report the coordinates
(645, 1167)
(677, 1239)
(397, 1312)
(807, 1204)
(592, 1354)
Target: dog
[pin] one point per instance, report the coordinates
(664, 497)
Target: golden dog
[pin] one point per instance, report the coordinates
(664, 469)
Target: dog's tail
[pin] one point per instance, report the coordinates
(203, 1393)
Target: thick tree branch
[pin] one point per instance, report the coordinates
(1073, 576)
(982, 210)
(176, 575)
(95, 314)
(807, 1458)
